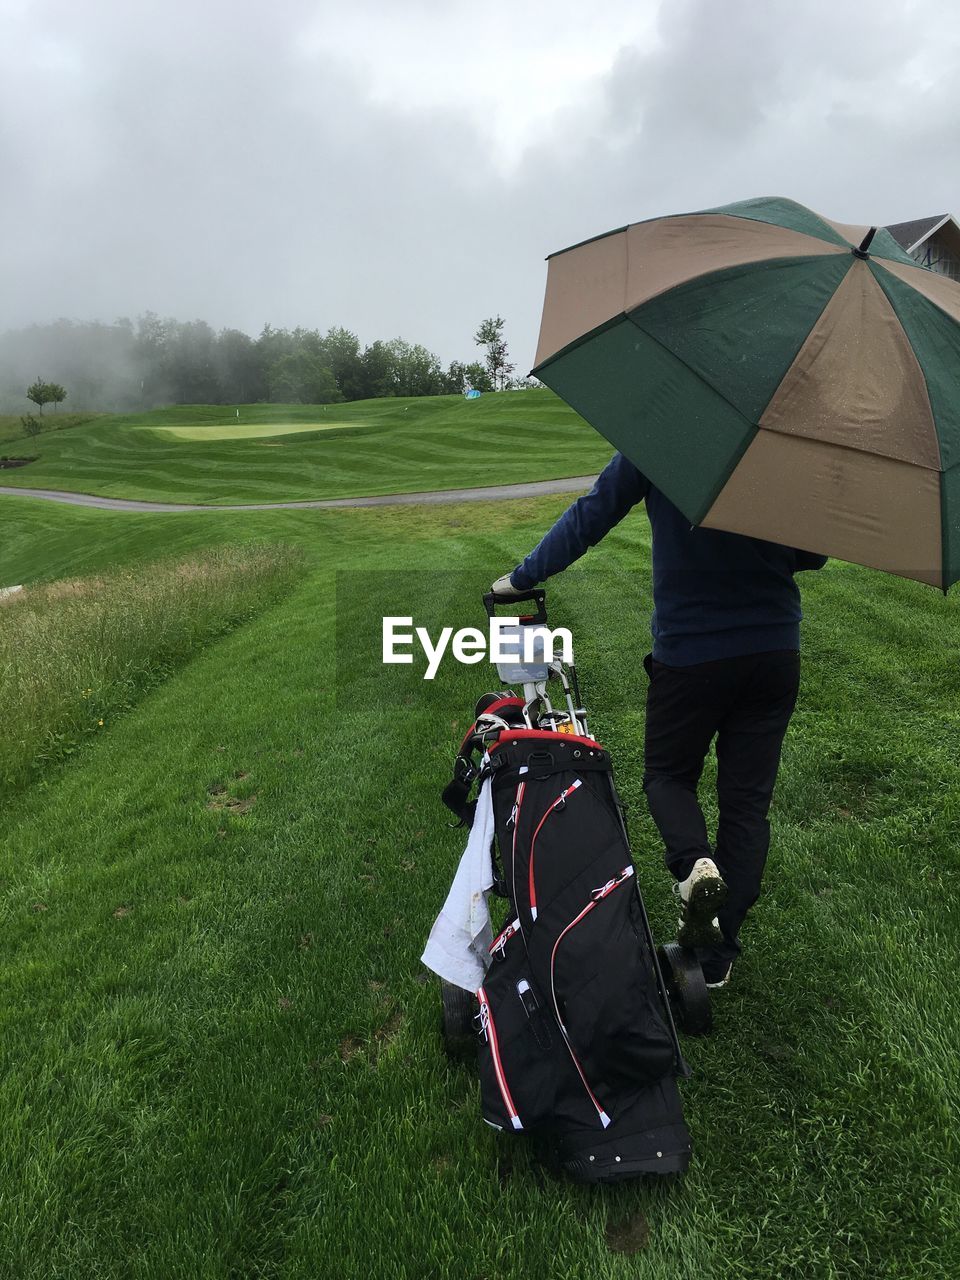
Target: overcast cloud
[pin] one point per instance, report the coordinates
(403, 168)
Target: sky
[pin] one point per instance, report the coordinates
(404, 168)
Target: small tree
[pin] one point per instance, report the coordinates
(31, 425)
(56, 393)
(39, 393)
(490, 335)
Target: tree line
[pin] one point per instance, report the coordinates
(153, 361)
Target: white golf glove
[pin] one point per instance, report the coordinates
(504, 587)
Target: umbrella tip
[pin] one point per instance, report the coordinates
(861, 252)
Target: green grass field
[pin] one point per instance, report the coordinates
(382, 446)
(220, 1057)
(76, 652)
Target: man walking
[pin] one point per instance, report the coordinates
(725, 665)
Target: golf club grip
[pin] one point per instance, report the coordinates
(538, 595)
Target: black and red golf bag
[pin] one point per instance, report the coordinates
(576, 1035)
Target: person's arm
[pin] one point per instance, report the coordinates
(619, 487)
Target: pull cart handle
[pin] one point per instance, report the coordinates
(538, 595)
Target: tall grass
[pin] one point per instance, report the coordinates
(75, 653)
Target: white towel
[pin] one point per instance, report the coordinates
(457, 948)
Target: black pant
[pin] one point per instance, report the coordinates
(746, 702)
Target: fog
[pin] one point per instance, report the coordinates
(404, 169)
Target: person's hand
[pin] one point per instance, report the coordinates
(504, 587)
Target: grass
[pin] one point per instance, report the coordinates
(76, 652)
(385, 446)
(17, 444)
(219, 1058)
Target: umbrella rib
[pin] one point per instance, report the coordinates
(853, 448)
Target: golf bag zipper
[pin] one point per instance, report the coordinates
(515, 811)
(557, 804)
(489, 1032)
(597, 896)
(514, 819)
(497, 946)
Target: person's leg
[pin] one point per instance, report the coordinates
(749, 740)
(684, 708)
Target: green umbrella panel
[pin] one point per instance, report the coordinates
(773, 373)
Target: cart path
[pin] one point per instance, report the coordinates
(489, 493)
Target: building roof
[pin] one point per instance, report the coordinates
(909, 234)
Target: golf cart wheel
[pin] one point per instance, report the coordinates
(458, 1008)
(688, 991)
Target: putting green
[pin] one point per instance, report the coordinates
(251, 431)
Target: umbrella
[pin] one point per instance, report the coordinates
(775, 374)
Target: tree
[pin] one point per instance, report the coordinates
(342, 350)
(377, 366)
(150, 349)
(490, 335)
(39, 393)
(415, 371)
(477, 376)
(302, 378)
(31, 425)
(191, 362)
(237, 368)
(454, 380)
(56, 393)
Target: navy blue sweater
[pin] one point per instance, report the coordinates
(715, 594)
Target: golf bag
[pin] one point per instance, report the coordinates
(576, 1035)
